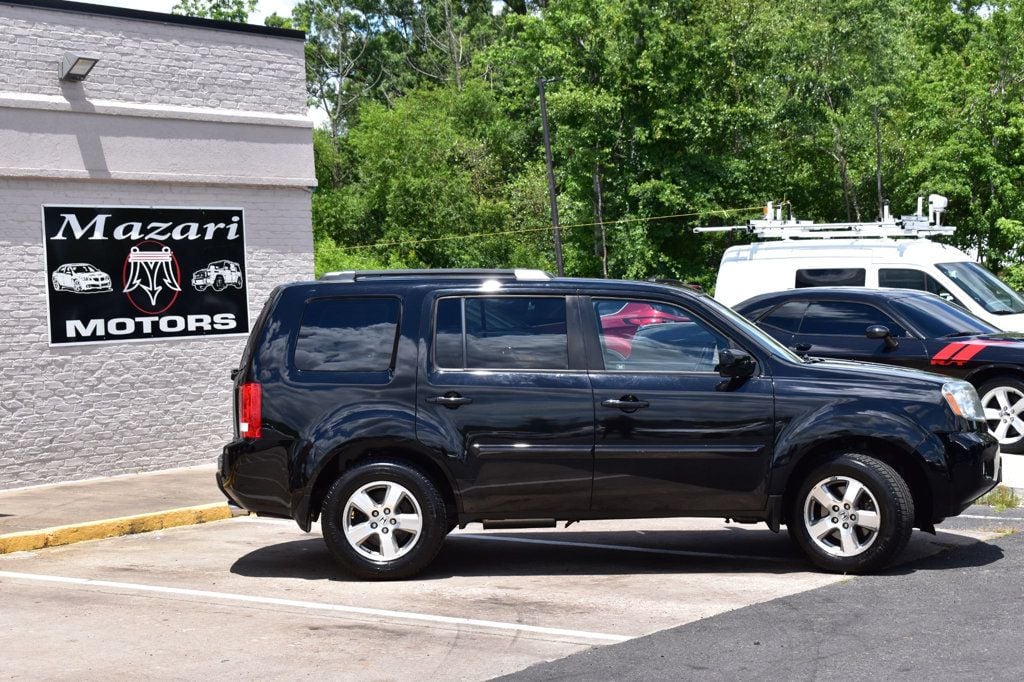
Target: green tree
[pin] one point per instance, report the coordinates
(222, 10)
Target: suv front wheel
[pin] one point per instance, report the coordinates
(852, 514)
(384, 520)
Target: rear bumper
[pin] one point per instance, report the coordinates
(974, 469)
(252, 474)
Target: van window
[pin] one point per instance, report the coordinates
(347, 335)
(501, 332)
(830, 277)
(907, 278)
(846, 318)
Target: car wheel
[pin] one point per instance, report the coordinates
(852, 514)
(56, 284)
(384, 520)
(78, 286)
(1003, 401)
(218, 284)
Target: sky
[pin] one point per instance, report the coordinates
(264, 8)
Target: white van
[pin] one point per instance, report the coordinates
(896, 254)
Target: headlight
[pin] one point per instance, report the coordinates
(963, 400)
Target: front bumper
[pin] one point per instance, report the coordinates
(974, 469)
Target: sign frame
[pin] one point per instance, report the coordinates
(154, 339)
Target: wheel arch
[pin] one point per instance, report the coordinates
(350, 455)
(904, 462)
(983, 375)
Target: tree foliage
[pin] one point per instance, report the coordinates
(667, 114)
(223, 10)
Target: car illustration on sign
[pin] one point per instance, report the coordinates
(219, 274)
(80, 278)
(908, 328)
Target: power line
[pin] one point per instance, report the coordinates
(476, 235)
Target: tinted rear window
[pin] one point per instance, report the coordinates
(786, 317)
(501, 332)
(831, 277)
(347, 335)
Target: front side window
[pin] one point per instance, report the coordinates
(985, 288)
(348, 335)
(908, 278)
(830, 277)
(501, 332)
(846, 318)
(673, 342)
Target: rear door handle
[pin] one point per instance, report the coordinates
(451, 400)
(627, 403)
(802, 347)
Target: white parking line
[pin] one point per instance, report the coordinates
(998, 518)
(317, 606)
(624, 548)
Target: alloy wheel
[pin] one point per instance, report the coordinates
(1004, 413)
(382, 521)
(841, 516)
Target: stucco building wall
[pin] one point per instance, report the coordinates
(172, 115)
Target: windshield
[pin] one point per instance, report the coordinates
(83, 268)
(753, 330)
(936, 318)
(984, 287)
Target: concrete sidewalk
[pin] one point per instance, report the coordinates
(48, 515)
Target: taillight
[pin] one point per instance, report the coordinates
(250, 410)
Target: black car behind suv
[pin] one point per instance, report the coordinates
(908, 328)
(397, 405)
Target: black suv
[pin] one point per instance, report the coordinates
(397, 405)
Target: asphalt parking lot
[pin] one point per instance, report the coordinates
(252, 597)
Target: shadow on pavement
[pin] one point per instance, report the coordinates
(756, 551)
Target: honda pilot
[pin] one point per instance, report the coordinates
(394, 406)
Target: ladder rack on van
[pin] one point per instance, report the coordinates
(774, 226)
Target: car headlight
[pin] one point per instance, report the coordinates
(963, 400)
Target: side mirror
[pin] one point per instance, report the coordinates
(735, 364)
(878, 331)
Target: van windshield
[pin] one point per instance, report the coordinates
(984, 288)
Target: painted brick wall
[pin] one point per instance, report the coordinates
(151, 62)
(82, 412)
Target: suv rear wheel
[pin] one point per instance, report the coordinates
(384, 520)
(852, 514)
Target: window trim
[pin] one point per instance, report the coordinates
(587, 303)
(432, 321)
(293, 341)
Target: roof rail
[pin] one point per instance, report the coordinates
(521, 274)
(774, 226)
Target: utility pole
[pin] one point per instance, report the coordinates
(551, 173)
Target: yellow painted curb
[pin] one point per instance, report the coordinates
(97, 530)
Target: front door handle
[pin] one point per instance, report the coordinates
(802, 347)
(450, 400)
(627, 403)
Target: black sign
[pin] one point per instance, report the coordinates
(125, 273)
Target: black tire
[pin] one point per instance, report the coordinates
(871, 550)
(1011, 443)
(218, 284)
(423, 548)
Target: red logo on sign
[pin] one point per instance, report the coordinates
(151, 277)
